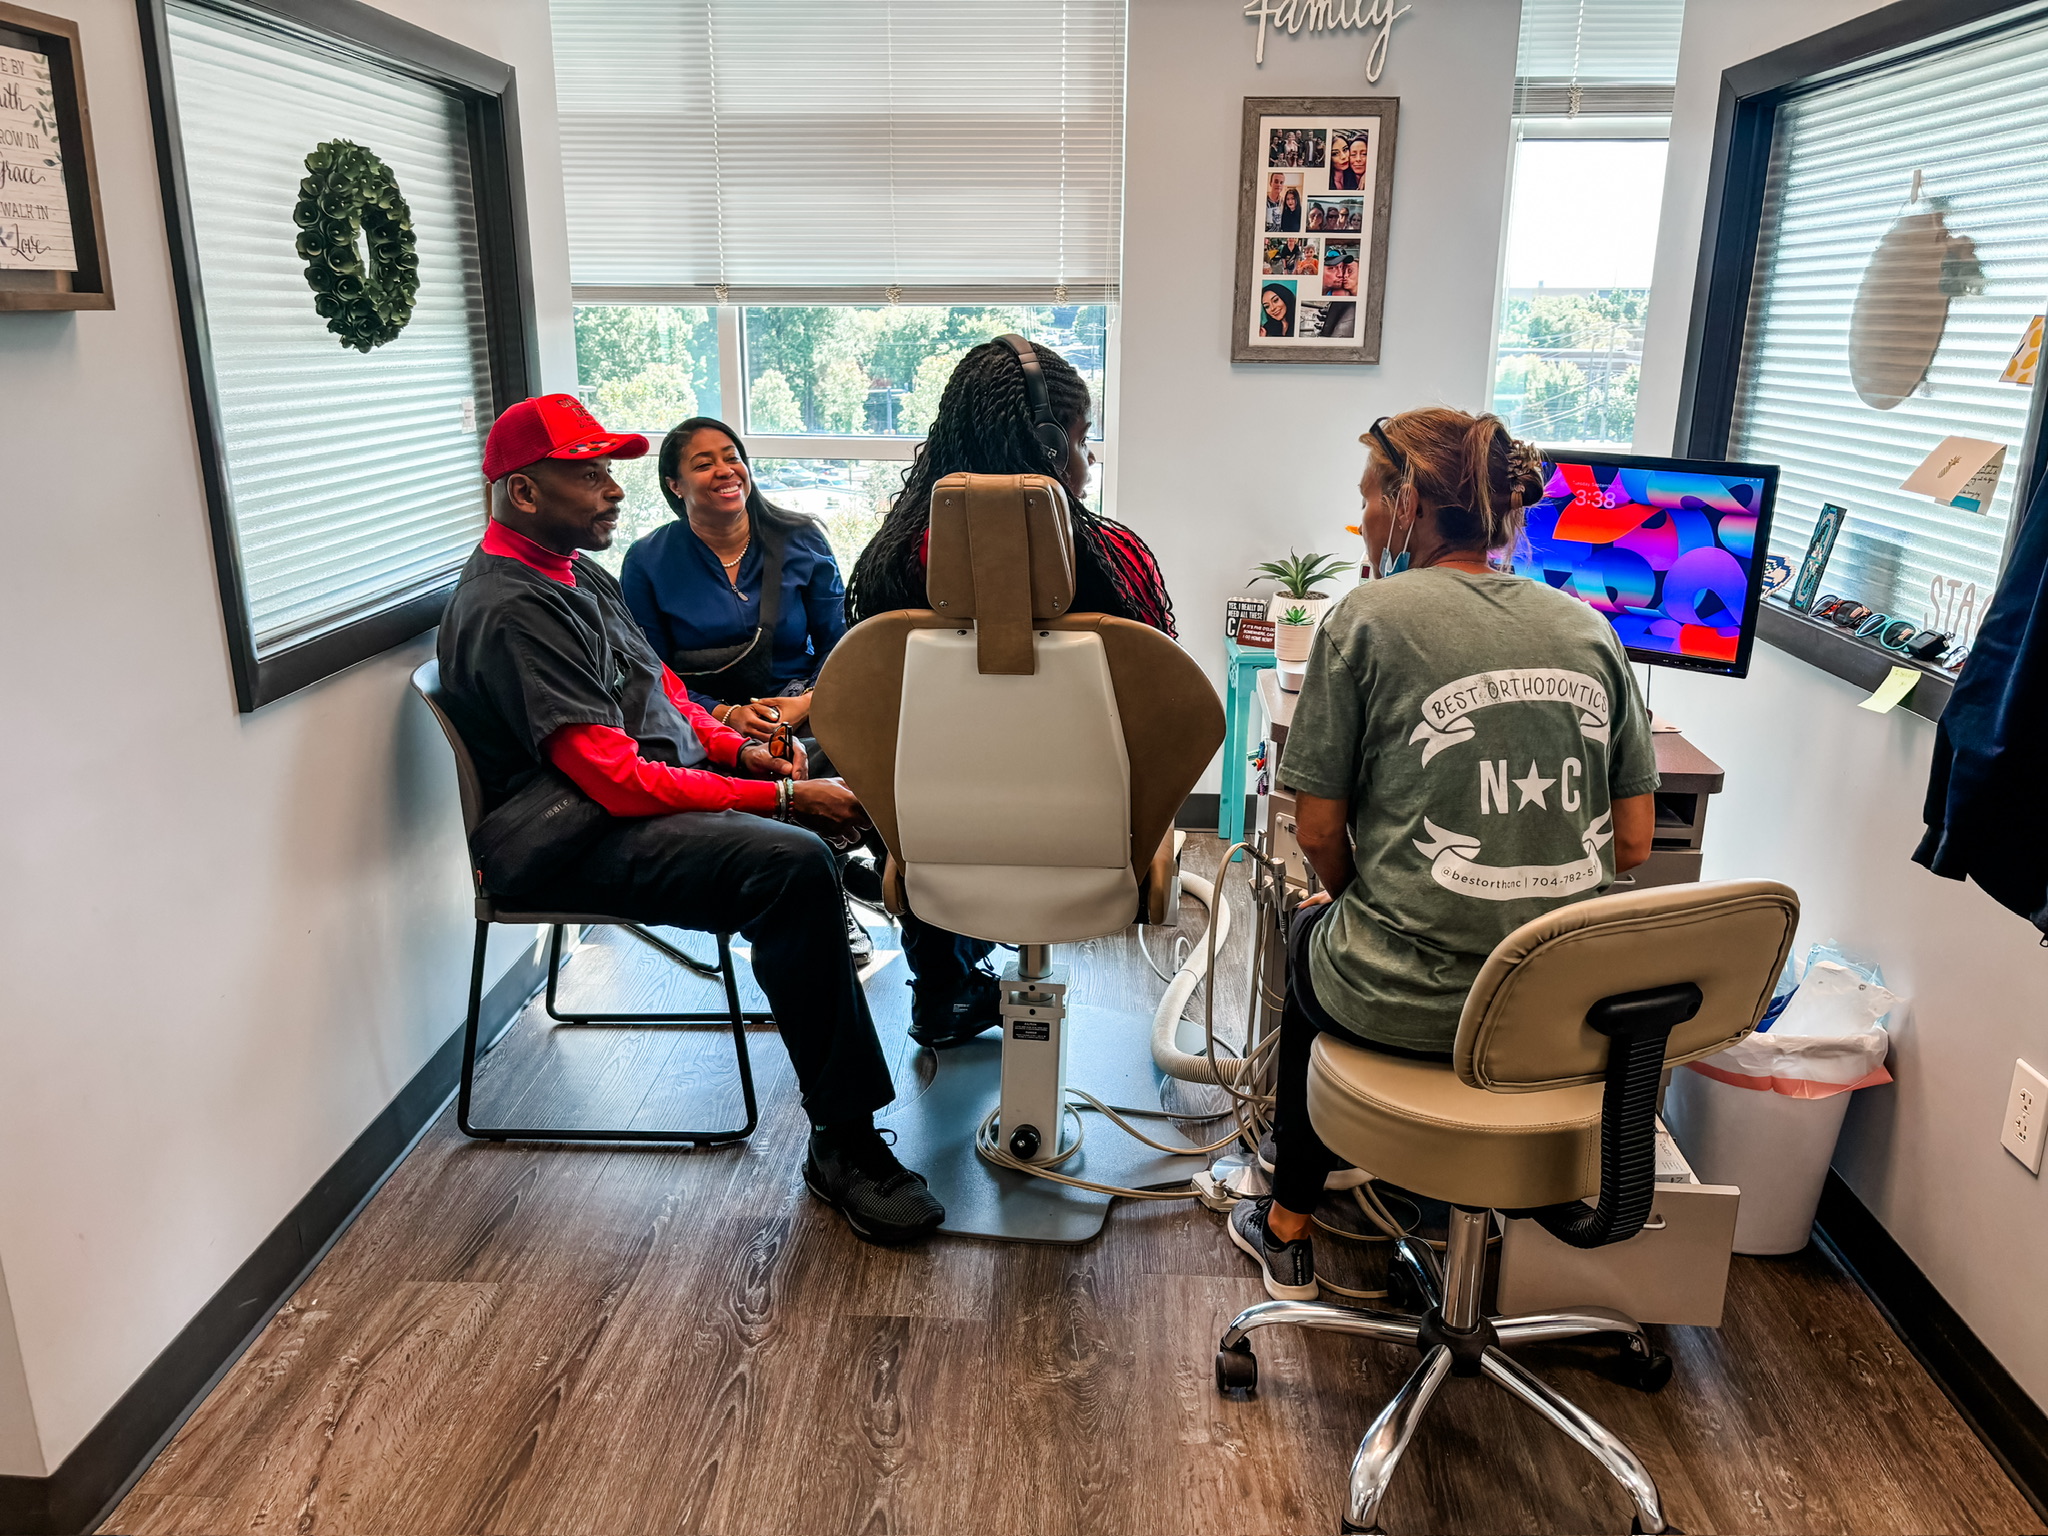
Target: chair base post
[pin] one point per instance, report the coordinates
(1455, 1337)
(1032, 1121)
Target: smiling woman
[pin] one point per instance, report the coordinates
(740, 597)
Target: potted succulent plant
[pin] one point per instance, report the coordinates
(1297, 576)
(1294, 629)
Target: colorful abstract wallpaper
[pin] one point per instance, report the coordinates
(1666, 555)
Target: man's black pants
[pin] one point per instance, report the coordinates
(941, 962)
(778, 886)
(1300, 1160)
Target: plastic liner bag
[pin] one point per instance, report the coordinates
(1826, 1037)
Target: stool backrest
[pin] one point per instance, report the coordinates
(426, 682)
(1524, 1027)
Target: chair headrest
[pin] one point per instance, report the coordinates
(1002, 555)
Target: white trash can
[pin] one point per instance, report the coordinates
(1773, 1148)
(1764, 1114)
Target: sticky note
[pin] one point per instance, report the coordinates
(1889, 693)
(2026, 357)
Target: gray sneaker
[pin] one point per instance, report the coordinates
(1289, 1268)
(855, 1173)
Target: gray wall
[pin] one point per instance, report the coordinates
(1221, 465)
(235, 937)
(1826, 797)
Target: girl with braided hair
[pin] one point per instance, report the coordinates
(984, 426)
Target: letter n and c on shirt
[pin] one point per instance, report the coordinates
(1480, 727)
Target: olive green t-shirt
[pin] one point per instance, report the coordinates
(1480, 726)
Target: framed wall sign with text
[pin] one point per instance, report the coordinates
(1315, 193)
(52, 241)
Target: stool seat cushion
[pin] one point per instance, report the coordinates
(1415, 1124)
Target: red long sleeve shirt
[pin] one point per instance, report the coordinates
(605, 763)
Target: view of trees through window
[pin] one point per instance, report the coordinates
(1569, 364)
(1582, 239)
(839, 371)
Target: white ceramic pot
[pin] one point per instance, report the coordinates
(1316, 606)
(1291, 641)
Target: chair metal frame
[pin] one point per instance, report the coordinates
(1453, 1333)
(426, 682)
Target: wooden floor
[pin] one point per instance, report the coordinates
(560, 1340)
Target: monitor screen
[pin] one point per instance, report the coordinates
(1671, 551)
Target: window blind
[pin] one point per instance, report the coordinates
(1597, 58)
(355, 479)
(826, 151)
(1972, 118)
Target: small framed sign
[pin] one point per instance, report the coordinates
(52, 238)
(1256, 634)
(1238, 609)
(1315, 193)
(1818, 549)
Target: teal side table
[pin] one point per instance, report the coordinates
(1242, 666)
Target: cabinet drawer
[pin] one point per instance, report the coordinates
(1664, 866)
(1673, 1271)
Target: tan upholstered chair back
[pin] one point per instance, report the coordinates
(1022, 763)
(1524, 1027)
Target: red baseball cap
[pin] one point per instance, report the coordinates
(552, 427)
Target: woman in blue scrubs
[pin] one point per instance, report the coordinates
(741, 599)
(746, 648)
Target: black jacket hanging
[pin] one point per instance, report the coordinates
(1986, 816)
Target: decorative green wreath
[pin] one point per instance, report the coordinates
(348, 191)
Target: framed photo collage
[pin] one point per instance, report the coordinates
(1317, 177)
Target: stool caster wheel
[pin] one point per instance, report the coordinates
(1635, 1528)
(1346, 1528)
(1237, 1371)
(1648, 1372)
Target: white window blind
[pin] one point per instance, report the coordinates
(830, 151)
(1597, 58)
(1972, 118)
(355, 479)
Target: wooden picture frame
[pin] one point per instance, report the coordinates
(86, 285)
(1311, 277)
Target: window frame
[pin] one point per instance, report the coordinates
(1745, 131)
(1589, 128)
(484, 88)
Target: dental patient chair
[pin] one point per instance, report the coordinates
(1023, 765)
(1550, 1100)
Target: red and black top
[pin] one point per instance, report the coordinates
(541, 661)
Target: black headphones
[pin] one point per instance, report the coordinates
(1052, 437)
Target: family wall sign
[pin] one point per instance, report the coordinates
(1293, 16)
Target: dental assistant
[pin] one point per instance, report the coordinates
(741, 598)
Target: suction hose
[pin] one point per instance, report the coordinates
(1167, 1054)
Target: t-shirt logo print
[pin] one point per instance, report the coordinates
(1454, 856)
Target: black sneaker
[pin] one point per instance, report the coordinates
(1289, 1268)
(939, 1022)
(859, 943)
(855, 1173)
(863, 881)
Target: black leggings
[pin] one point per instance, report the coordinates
(1300, 1160)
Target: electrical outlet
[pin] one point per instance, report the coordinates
(2026, 1116)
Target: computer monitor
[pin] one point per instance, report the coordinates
(1670, 551)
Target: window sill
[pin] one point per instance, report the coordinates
(1823, 645)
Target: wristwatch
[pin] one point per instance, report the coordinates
(785, 795)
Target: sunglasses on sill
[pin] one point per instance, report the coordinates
(1902, 637)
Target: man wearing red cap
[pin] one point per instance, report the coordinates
(543, 665)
